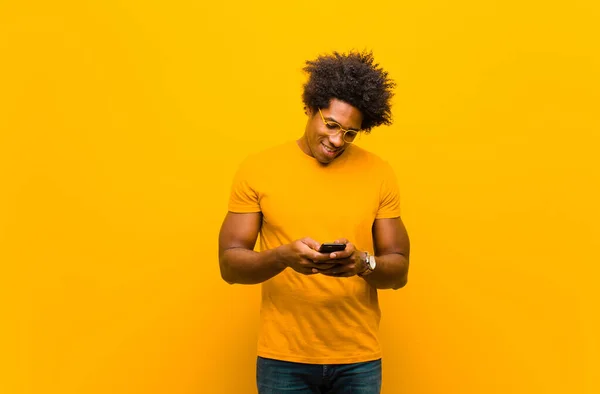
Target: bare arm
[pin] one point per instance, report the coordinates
(239, 262)
(392, 249)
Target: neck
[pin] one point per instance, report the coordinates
(303, 144)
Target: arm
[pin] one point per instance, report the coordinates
(392, 249)
(238, 261)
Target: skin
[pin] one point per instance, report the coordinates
(315, 136)
(239, 263)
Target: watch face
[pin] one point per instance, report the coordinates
(372, 262)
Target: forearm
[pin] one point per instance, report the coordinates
(244, 266)
(391, 272)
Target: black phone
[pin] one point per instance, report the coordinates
(330, 248)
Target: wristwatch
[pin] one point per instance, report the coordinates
(369, 263)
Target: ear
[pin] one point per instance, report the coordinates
(308, 111)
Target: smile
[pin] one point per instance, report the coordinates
(329, 150)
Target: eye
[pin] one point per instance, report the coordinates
(351, 134)
(333, 126)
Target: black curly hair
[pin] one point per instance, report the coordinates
(353, 78)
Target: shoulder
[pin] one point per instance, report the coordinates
(367, 159)
(271, 153)
(256, 163)
(276, 152)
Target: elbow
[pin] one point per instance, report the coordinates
(225, 273)
(227, 279)
(401, 283)
(403, 280)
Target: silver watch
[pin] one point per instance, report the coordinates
(370, 264)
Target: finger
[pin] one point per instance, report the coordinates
(308, 271)
(350, 247)
(341, 272)
(325, 265)
(344, 254)
(338, 270)
(341, 241)
(342, 262)
(309, 263)
(311, 243)
(316, 256)
(340, 275)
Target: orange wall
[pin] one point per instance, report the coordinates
(122, 122)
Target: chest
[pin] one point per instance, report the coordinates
(321, 204)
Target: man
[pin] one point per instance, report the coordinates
(320, 311)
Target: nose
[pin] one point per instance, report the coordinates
(337, 140)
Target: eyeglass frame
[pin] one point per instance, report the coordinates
(327, 123)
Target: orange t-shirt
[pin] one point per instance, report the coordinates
(317, 319)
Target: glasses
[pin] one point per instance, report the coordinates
(333, 128)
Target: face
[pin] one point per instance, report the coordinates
(316, 141)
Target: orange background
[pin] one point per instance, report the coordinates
(122, 122)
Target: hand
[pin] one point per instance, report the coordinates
(303, 256)
(349, 261)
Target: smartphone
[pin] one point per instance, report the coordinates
(330, 248)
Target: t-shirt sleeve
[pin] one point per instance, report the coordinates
(244, 196)
(389, 196)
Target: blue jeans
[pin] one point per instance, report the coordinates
(276, 376)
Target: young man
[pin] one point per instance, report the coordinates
(320, 313)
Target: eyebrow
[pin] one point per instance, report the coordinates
(335, 121)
